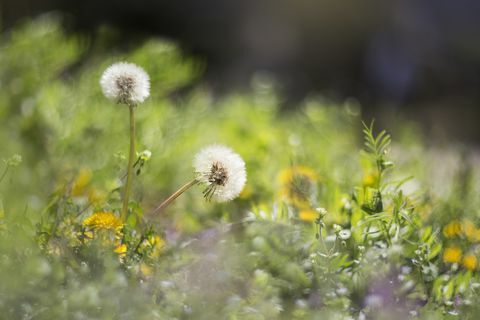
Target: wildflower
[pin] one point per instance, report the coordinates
(468, 228)
(344, 234)
(125, 83)
(121, 250)
(452, 229)
(145, 155)
(222, 171)
(103, 220)
(298, 185)
(308, 215)
(470, 262)
(452, 255)
(476, 236)
(129, 84)
(322, 212)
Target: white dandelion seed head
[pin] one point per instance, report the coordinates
(126, 83)
(222, 171)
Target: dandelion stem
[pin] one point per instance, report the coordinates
(131, 158)
(175, 195)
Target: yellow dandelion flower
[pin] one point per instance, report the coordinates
(470, 262)
(452, 255)
(452, 229)
(308, 215)
(298, 184)
(103, 220)
(476, 236)
(121, 250)
(81, 181)
(468, 228)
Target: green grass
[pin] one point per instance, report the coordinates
(393, 205)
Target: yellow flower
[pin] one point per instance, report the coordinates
(158, 243)
(468, 228)
(452, 255)
(370, 178)
(81, 181)
(476, 236)
(470, 262)
(121, 250)
(103, 220)
(297, 185)
(452, 229)
(308, 215)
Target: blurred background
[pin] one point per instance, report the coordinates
(409, 59)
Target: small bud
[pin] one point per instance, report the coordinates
(145, 155)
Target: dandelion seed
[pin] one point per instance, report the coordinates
(125, 83)
(222, 171)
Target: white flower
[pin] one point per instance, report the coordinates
(222, 171)
(344, 234)
(125, 83)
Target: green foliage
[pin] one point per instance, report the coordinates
(321, 230)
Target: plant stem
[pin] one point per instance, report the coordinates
(175, 195)
(322, 242)
(131, 158)
(4, 173)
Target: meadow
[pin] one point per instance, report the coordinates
(339, 218)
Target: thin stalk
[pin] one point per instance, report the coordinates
(322, 242)
(131, 159)
(4, 172)
(175, 195)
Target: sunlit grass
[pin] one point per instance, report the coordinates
(333, 222)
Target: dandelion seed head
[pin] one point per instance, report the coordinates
(125, 83)
(222, 171)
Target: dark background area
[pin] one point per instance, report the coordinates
(418, 59)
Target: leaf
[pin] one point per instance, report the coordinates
(434, 251)
(132, 220)
(448, 290)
